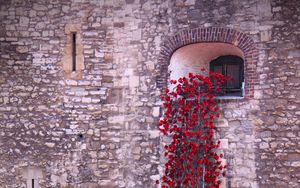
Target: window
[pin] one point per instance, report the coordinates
(73, 58)
(32, 175)
(73, 51)
(233, 66)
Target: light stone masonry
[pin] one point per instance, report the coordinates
(97, 126)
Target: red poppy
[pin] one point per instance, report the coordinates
(188, 120)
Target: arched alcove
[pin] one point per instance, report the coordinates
(193, 57)
(232, 41)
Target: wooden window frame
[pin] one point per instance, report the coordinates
(224, 62)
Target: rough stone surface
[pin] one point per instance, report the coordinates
(97, 127)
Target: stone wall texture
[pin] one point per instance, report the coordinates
(96, 127)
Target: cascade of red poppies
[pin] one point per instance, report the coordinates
(190, 109)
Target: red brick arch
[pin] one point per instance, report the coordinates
(210, 34)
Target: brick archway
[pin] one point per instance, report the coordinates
(210, 34)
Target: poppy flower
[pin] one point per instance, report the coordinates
(189, 113)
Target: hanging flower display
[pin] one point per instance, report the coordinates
(190, 110)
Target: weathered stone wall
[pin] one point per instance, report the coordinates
(96, 127)
(277, 137)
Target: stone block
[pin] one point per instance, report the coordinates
(116, 119)
(264, 8)
(22, 49)
(295, 164)
(137, 150)
(263, 145)
(222, 122)
(266, 35)
(54, 12)
(10, 27)
(156, 111)
(154, 134)
(190, 2)
(24, 21)
(32, 175)
(294, 53)
(224, 143)
(39, 7)
(134, 81)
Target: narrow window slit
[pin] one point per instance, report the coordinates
(73, 51)
(32, 183)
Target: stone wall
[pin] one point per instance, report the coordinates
(277, 137)
(96, 127)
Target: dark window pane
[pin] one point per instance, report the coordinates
(229, 66)
(234, 72)
(218, 69)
